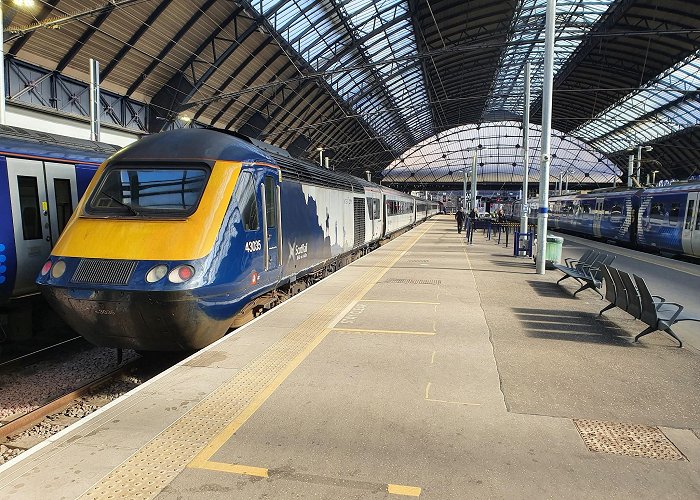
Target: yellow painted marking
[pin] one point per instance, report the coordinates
(400, 489)
(243, 470)
(365, 330)
(401, 302)
(428, 398)
(432, 359)
(201, 460)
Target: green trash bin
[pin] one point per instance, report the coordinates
(553, 251)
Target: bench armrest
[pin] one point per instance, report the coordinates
(672, 319)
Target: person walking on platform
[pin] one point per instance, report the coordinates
(460, 219)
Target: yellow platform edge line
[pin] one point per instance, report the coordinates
(401, 302)
(244, 470)
(202, 458)
(400, 489)
(367, 330)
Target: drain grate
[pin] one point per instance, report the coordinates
(627, 439)
(412, 282)
(418, 261)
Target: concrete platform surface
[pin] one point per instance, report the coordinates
(429, 368)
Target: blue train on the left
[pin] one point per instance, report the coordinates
(42, 177)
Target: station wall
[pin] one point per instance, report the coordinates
(36, 120)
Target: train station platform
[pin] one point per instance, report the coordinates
(429, 368)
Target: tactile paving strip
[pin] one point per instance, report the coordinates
(627, 439)
(412, 282)
(155, 465)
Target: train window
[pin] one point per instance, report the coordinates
(64, 202)
(657, 212)
(270, 195)
(689, 215)
(674, 214)
(148, 191)
(29, 207)
(616, 209)
(244, 194)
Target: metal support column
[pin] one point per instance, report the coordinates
(464, 190)
(546, 157)
(526, 150)
(630, 170)
(94, 100)
(639, 165)
(473, 193)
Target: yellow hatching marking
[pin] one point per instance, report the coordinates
(400, 302)
(428, 398)
(400, 489)
(243, 470)
(367, 330)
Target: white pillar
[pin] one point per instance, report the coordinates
(473, 193)
(561, 182)
(546, 158)
(464, 190)
(94, 100)
(2, 70)
(326, 162)
(320, 156)
(639, 165)
(526, 151)
(630, 170)
(566, 177)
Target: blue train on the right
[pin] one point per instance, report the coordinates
(657, 218)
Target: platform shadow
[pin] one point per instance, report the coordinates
(571, 326)
(549, 290)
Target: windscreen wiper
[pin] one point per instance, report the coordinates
(126, 205)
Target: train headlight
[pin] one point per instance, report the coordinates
(156, 273)
(47, 267)
(181, 274)
(58, 269)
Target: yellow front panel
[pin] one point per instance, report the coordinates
(143, 239)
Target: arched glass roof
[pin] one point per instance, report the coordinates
(575, 18)
(667, 104)
(499, 157)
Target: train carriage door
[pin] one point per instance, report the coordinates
(597, 217)
(62, 196)
(30, 218)
(272, 232)
(691, 226)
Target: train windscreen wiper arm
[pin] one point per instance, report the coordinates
(127, 205)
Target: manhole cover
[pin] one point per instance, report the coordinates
(413, 282)
(627, 439)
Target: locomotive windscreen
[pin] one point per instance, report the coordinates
(149, 191)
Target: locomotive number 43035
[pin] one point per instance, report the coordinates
(253, 246)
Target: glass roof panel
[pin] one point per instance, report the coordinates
(497, 146)
(381, 32)
(575, 18)
(665, 105)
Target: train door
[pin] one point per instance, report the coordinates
(272, 230)
(691, 226)
(62, 194)
(597, 217)
(30, 218)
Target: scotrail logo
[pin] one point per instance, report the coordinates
(298, 252)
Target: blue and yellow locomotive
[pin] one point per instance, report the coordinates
(182, 232)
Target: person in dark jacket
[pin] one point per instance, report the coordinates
(459, 216)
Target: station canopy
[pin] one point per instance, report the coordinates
(497, 149)
(368, 81)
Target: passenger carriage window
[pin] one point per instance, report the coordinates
(674, 214)
(689, 215)
(244, 194)
(376, 205)
(64, 202)
(616, 209)
(270, 195)
(29, 207)
(657, 212)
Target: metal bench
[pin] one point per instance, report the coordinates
(589, 275)
(631, 294)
